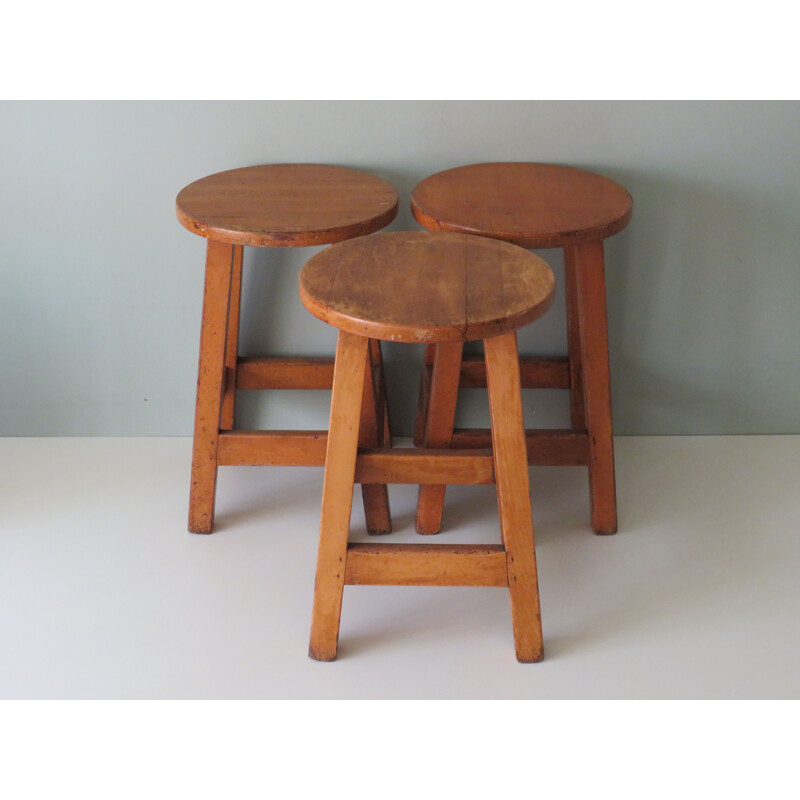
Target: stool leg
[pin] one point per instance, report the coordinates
(232, 343)
(576, 402)
(371, 434)
(513, 493)
(210, 372)
(383, 418)
(337, 494)
(597, 385)
(439, 428)
(424, 396)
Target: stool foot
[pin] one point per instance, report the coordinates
(430, 504)
(588, 259)
(201, 526)
(513, 494)
(322, 655)
(210, 375)
(349, 377)
(530, 656)
(376, 508)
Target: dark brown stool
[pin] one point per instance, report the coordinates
(442, 288)
(278, 205)
(534, 206)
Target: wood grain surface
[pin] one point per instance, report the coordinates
(445, 374)
(532, 205)
(337, 494)
(590, 268)
(220, 259)
(426, 287)
(513, 498)
(286, 205)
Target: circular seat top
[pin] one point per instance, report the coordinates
(532, 205)
(426, 287)
(286, 205)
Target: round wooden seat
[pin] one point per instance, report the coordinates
(426, 287)
(532, 205)
(286, 205)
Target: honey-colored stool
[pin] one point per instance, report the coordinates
(535, 206)
(443, 288)
(278, 205)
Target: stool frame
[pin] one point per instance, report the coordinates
(221, 372)
(443, 288)
(271, 205)
(585, 373)
(512, 564)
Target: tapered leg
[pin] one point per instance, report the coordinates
(371, 434)
(383, 397)
(513, 497)
(337, 494)
(596, 384)
(424, 396)
(232, 343)
(439, 428)
(576, 402)
(210, 372)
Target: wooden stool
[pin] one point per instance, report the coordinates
(534, 206)
(443, 288)
(280, 205)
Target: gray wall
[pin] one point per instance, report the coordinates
(100, 287)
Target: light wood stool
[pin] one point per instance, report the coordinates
(535, 206)
(442, 288)
(279, 205)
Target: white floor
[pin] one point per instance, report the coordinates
(103, 593)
